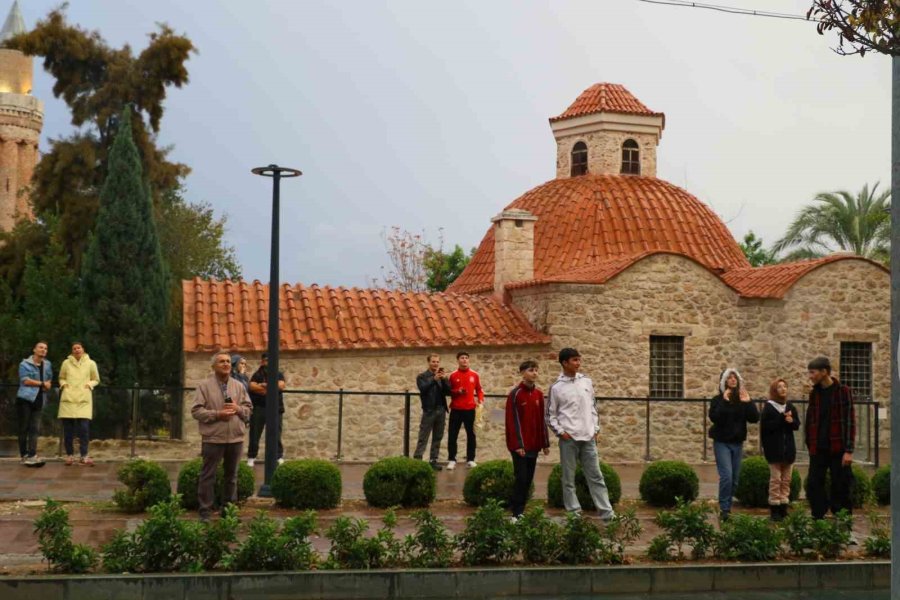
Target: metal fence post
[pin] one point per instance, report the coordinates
(877, 447)
(134, 420)
(340, 453)
(406, 416)
(647, 433)
(703, 432)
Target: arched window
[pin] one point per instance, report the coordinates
(631, 158)
(579, 159)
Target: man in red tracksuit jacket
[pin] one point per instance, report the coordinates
(465, 392)
(526, 433)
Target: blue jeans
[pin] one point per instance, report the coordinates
(728, 464)
(572, 452)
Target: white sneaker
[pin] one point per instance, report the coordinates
(280, 461)
(514, 519)
(451, 464)
(251, 462)
(471, 463)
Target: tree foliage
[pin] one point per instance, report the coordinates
(755, 252)
(124, 281)
(417, 266)
(841, 221)
(862, 25)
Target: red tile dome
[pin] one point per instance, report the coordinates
(592, 218)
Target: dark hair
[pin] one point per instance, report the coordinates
(528, 364)
(567, 353)
(429, 357)
(44, 342)
(77, 344)
(461, 353)
(820, 363)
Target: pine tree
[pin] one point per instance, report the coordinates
(124, 280)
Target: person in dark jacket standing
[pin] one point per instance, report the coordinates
(258, 386)
(777, 425)
(434, 387)
(526, 433)
(730, 411)
(830, 433)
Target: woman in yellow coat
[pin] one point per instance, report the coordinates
(78, 377)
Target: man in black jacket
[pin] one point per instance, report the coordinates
(434, 388)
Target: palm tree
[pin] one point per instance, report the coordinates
(840, 221)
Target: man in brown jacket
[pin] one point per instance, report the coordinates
(222, 408)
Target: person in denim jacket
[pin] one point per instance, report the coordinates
(35, 377)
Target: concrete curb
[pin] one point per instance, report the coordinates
(870, 580)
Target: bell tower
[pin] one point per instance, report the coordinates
(607, 131)
(21, 120)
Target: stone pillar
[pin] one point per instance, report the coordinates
(513, 248)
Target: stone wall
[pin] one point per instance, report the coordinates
(605, 152)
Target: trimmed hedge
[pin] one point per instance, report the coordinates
(860, 487)
(665, 480)
(189, 477)
(400, 481)
(753, 483)
(491, 479)
(146, 483)
(307, 483)
(554, 487)
(881, 485)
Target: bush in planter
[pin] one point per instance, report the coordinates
(860, 487)
(399, 481)
(189, 476)
(146, 483)
(665, 480)
(881, 485)
(306, 484)
(493, 479)
(753, 483)
(554, 487)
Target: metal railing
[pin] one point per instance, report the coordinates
(156, 413)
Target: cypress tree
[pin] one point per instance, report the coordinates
(124, 281)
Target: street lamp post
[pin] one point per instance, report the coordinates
(273, 433)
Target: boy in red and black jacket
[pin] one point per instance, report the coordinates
(465, 394)
(830, 433)
(526, 433)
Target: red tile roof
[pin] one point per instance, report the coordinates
(774, 281)
(588, 219)
(234, 316)
(606, 97)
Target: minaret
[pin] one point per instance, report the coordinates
(21, 119)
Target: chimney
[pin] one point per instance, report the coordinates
(513, 248)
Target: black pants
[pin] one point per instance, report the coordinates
(841, 480)
(432, 424)
(523, 468)
(257, 424)
(29, 421)
(82, 428)
(212, 455)
(459, 418)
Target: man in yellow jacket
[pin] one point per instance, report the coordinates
(78, 377)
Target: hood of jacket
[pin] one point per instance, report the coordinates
(85, 358)
(724, 377)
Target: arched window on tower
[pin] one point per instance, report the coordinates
(579, 159)
(631, 158)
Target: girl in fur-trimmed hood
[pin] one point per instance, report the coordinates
(730, 411)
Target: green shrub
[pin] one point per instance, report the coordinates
(538, 537)
(431, 546)
(351, 549)
(797, 529)
(881, 485)
(583, 541)
(753, 483)
(747, 538)
(399, 481)
(189, 476)
(307, 483)
(830, 537)
(662, 482)
(860, 487)
(620, 531)
(489, 536)
(269, 547)
(493, 479)
(687, 525)
(55, 541)
(878, 544)
(554, 487)
(146, 483)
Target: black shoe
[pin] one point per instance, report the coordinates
(436, 466)
(724, 515)
(785, 509)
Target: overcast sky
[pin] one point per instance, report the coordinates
(424, 115)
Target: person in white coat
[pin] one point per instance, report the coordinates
(572, 416)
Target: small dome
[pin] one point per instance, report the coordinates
(591, 218)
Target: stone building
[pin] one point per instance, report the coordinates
(637, 273)
(21, 120)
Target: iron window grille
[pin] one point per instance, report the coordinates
(666, 366)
